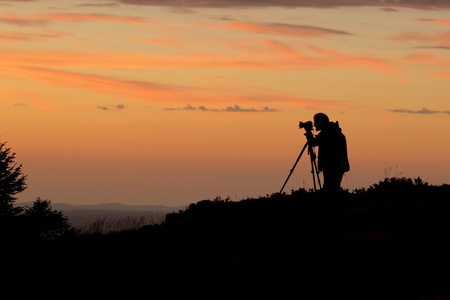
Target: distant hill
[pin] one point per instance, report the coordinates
(86, 215)
(108, 206)
(116, 207)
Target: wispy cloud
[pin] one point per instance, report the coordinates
(22, 21)
(424, 4)
(156, 93)
(420, 57)
(438, 39)
(45, 19)
(270, 55)
(161, 42)
(235, 108)
(441, 22)
(112, 107)
(97, 5)
(423, 111)
(417, 4)
(434, 47)
(77, 17)
(131, 88)
(12, 103)
(11, 36)
(281, 29)
(442, 75)
(339, 59)
(389, 9)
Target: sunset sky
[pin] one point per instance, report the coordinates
(172, 102)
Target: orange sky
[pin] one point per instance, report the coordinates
(136, 102)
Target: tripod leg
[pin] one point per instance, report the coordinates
(314, 169)
(317, 172)
(313, 160)
(292, 170)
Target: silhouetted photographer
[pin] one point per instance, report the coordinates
(332, 160)
(332, 157)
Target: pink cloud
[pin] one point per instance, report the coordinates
(133, 89)
(22, 21)
(338, 59)
(273, 56)
(441, 39)
(44, 19)
(443, 75)
(10, 36)
(74, 17)
(161, 42)
(441, 22)
(164, 94)
(420, 57)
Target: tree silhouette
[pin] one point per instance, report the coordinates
(12, 181)
(46, 223)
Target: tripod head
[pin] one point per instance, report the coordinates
(308, 126)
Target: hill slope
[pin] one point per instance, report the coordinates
(390, 241)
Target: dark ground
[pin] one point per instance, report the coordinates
(391, 241)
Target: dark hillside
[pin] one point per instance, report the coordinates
(390, 241)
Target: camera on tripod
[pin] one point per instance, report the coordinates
(308, 126)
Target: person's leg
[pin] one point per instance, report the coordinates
(332, 180)
(338, 180)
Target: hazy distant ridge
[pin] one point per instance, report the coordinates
(110, 207)
(81, 215)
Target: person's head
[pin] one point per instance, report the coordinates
(321, 121)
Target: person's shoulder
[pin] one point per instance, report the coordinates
(334, 128)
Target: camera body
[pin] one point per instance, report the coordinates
(308, 126)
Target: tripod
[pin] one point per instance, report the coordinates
(314, 169)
